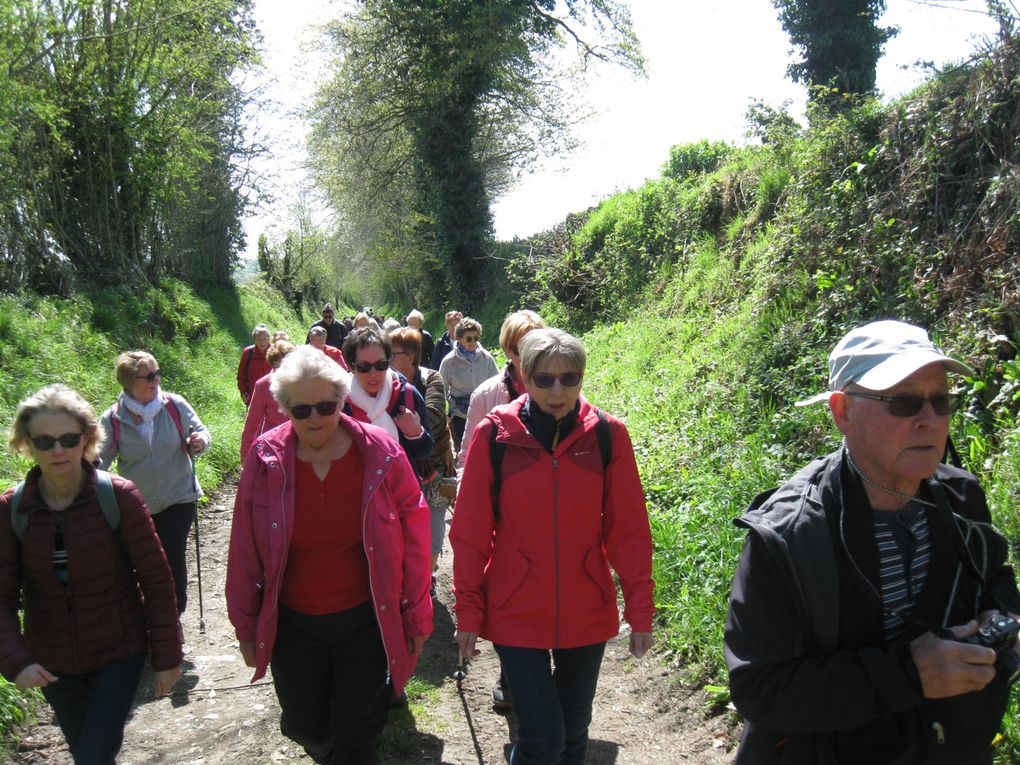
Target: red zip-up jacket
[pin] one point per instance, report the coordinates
(100, 615)
(539, 576)
(395, 533)
(250, 370)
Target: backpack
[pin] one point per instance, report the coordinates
(107, 502)
(497, 449)
(175, 415)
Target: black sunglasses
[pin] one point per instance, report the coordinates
(304, 411)
(567, 379)
(906, 405)
(45, 443)
(469, 339)
(378, 366)
(150, 377)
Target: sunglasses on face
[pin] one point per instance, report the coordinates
(906, 405)
(469, 339)
(567, 379)
(152, 376)
(378, 366)
(45, 443)
(304, 411)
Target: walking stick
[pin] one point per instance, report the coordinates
(198, 546)
(459, 675)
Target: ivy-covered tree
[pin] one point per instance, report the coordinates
(838, 42)
(436, 104)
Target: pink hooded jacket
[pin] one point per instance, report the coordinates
(394, 527)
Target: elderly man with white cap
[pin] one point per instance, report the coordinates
(869, 620)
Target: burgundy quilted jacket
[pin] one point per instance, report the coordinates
(107, 611)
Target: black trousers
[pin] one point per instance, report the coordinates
(331, 680)
(172, 527)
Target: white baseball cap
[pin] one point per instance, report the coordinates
(881, 354)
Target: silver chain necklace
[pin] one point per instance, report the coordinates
(886, 489)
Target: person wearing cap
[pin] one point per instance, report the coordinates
(862, 575)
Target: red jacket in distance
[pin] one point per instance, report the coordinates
(106, 611)
(252, 367)
(539, 576)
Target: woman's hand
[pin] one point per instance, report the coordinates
(409, 423)
(416, 644)
(34, 676)
(195, 444)
(247, 648)
(640, 643)
(466, 643)
(165, 680)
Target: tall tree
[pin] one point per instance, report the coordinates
(436, 105)
(839, 42)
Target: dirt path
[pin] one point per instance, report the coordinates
(217, 717)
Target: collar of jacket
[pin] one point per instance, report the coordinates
(377, 447)
(511, 429)
(32, 499)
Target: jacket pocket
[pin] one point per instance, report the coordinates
(597, 569)
(961, 729)
(506, 576)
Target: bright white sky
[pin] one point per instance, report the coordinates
(706, 61)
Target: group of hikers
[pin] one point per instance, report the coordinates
(872, 617)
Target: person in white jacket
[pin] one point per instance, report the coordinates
(466, 367)
(503, 387)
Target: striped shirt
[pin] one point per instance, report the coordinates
(904, 555)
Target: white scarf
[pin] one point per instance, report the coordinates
(147, 412)
(375, 406)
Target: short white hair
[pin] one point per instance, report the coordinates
(415, 314)
(307, 363)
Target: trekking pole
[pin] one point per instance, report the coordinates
(198, 546)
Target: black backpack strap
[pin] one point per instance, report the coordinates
(952, 457)
(496, 451)
(605, 438)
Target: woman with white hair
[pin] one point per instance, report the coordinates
(328, 572)
(416, 320)
(253, 365)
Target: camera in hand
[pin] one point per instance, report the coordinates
(1000, 635)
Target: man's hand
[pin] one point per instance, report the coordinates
(949, 668)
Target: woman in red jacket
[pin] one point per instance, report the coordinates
(263, 412)
(328, 573)
(549, 499)
(253, 365)
(79, 551)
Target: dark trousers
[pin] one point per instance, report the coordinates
(331, 680)
(172, 527)
(457, 425)
(92, 709)
(552, 696)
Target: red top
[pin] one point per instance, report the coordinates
(252, 367)
(337, 355)
(327, 570)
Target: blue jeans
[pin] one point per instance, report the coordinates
(93, 708)
(552, 696)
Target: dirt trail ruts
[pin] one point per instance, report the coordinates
(215, 716)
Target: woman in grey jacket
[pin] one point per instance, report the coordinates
(466, 367)
(155, 437)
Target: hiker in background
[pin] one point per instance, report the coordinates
(317, 339)
(503, 387)
(549, 499)
(279, 335)
(466, 367)
(264, 414)
(861, 575)
(155, 437)
(79, 552)
(379, 396)
(389, 325)
(416, 320)
(253, 363)
(361, 320)
(327, 576)
(336, 331)
(445, 344)
(405, 351)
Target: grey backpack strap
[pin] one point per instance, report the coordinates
(19, 522)
(107, 499)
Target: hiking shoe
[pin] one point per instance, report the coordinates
(501, 694)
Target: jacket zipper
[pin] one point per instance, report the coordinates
(556, 547)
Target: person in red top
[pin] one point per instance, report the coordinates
(531, 564)
(96, 598)
(263, 413)
(328, 574)
(254, 364)
(317, 339)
